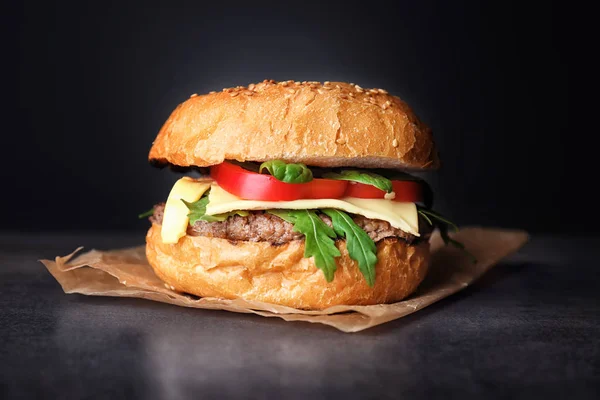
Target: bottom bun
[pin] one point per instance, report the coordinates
(279, 274)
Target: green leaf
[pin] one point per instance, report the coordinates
(289, 173)
(224, 216)
(319, 240)
(443, 224)
(448, 240)
(361, 247)
(429, 215)
(368, 178)
(146, 214)
(198, 212)
(197, 209)
(426, 217)
(283, 214)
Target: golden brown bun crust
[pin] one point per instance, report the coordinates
(212, 267)
(330, 125)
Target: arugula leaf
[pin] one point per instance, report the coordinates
(367, 178)
(428, 214)
(361, 247)
(425, 216)
(197, 209)
(146, 214)
(289, 173)
(284, 215)
(224, 216)
(198, 212)
(319, 240)
(448, 240)
(443, 224)
(395, 175)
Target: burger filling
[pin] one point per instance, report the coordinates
(261, 226)
(277, 202)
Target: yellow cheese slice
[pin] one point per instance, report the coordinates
(400, 215)
(175, 218)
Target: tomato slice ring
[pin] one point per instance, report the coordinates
(254, 186)
(250, 185)
(405, 191)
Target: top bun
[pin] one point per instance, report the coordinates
(334, 124)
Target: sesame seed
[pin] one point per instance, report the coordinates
(320, 91)
(251, 86)
(291, 90)
(326, 83)
(337, 87)
(382, 91)
(297, 83)
(374, 91)
(340, 141)
(233, 94)
(351, 94)
(344, 96)
(395, 143)
(285, 83)
(366, 99)
(352, 83)
(327, 87)
(194, 95)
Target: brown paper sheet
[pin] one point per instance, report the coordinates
(126, 273)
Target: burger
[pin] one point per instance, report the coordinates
(297, 193)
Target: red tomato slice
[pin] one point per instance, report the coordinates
(254, 186)
(406, 191)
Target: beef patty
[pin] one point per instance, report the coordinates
(260, 226)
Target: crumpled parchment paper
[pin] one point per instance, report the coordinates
(126, 273)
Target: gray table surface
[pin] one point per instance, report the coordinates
(529, 328)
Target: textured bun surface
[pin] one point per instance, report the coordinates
(329, 125)
(212, 267)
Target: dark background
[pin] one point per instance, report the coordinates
(87, 87)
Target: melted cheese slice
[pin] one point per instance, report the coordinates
(400, 215)
(175, 217)
(175, 220)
